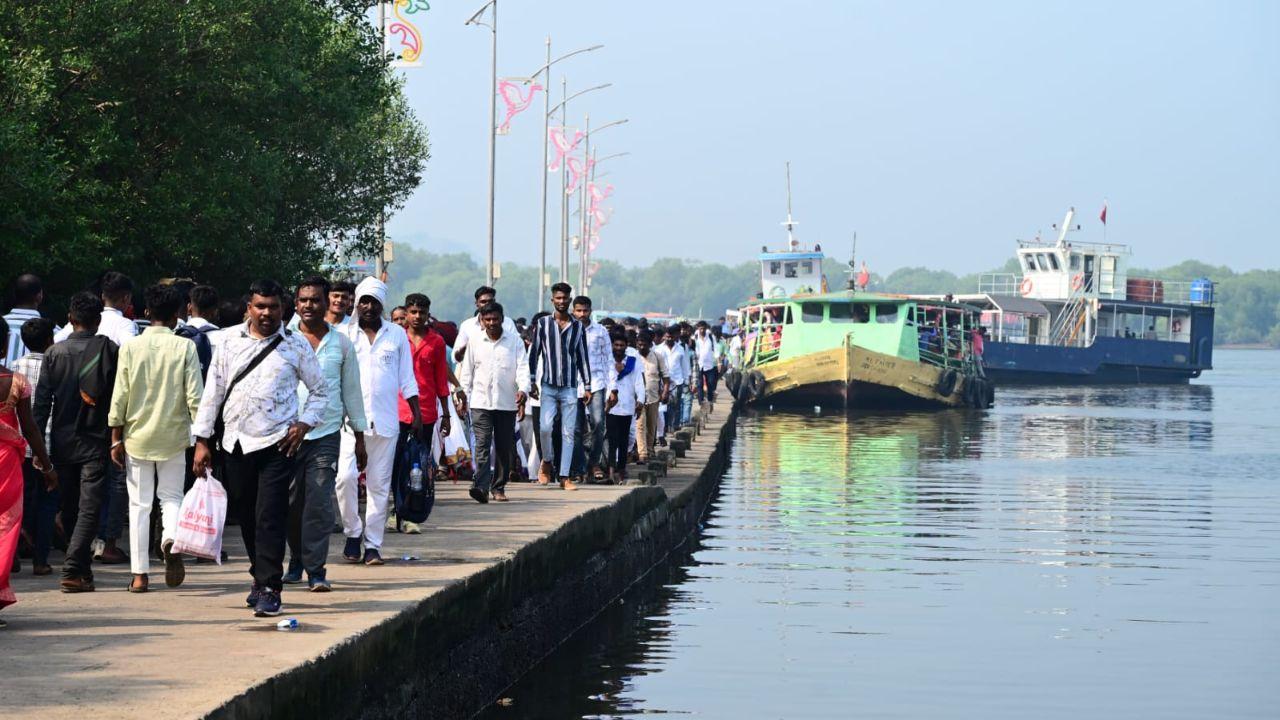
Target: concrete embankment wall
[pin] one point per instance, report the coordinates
(451, 654)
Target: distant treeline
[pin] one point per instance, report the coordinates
(1248, 303)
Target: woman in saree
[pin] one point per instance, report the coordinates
(17, 429)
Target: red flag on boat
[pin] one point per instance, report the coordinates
(1103, 215)
(864, 276)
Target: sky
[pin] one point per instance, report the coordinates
(939, 132)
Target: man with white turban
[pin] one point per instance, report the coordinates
(386, 373)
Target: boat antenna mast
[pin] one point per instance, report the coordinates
(789, 224)
(852, 283)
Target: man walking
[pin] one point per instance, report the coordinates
(156, 394)
(28, 293)
(589, 446)
(559, 350)
(76, 380)
(627, 395)
(707, 362)
(495, 381)
(677, 360)
(202, 307)
(312, 488)
(249, 412)
(431, 371)
(341, 301)
(386, 373)
(656, 391)
(470, 328)
(39, 501)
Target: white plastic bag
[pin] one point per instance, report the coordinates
(200, 521)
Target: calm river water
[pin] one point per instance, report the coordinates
(1076, 552)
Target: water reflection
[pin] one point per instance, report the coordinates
(1107, 551)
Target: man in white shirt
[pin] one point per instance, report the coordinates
(386, 374)
(589, 446)
(627, 395)
(470, 328)
(252, 387)
(678, 371)
(495, 379)
(117, 297)
(706, 363)
(28, 293)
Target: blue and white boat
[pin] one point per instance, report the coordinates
(1075, 316)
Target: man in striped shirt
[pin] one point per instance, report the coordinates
(559, 350)
(28, 293)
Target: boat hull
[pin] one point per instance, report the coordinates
(855, 378)
(1109, 361)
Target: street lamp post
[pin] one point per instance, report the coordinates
(582, 201)
(493, 113)
(586, 247)
(546, 122)
(564, 176)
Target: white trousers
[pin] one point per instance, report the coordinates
(377, 485)
(145, 481)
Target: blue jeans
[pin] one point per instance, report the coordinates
(675, 401)
(559, 402)
(590, 438)
(686, 404)
(707, 384)
(311, 503)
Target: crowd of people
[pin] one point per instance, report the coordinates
(299, 402)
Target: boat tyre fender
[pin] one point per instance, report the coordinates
(946, 383)
(989, 394)
(970, 391)
(753, 385)
(733, 381)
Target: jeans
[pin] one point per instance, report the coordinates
(115, 505)
(258, 494)
(147, 480)
(562, 403)
(311, 502)
(83, 488)
(707, 384)
(590, 438)
(686, 404)
(39, 508)
(675, 405)
(619, 432)
(496, 428)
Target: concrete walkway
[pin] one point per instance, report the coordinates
(184, 652)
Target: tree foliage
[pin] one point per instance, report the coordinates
(215, 139)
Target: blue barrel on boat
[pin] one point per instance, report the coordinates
(1202, 291)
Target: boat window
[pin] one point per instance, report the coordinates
(850, 312)
(1053, 260)
(789, 269)
(774, 267)
(811, 312)
(1075, 261)
(1043, 261)
(886, 313)
(1030, 262)
(806, 267)
(786, 315)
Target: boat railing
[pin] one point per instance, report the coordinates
(1171, 292)
(766, 344)
(1069, 326)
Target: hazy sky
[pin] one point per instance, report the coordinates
(939, 131)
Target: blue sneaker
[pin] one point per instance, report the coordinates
(318, 583)
(294, 575)
(372, 557)
(255, 592)
(351, 552)
(268, 604)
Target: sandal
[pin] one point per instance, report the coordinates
(146, 584)
(598, 474)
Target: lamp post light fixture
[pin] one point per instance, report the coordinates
(546, 121)
(493, 113)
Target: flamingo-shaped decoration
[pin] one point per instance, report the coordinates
(515, 101)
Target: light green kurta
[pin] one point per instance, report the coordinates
(157, 393)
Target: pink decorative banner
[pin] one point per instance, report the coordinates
(515, 101)
(402, 38)
(560, 141)
(577, 171)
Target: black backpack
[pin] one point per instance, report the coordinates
(204, 348)
(413, 505)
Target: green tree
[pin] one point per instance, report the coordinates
(216, 139)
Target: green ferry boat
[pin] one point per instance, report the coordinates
(803, 346)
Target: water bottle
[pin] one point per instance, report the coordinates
(415, 478)
(287, 624)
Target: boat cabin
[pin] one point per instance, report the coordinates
(783, 274)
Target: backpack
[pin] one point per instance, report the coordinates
(204, 348)
(413, 506)
(96, 380)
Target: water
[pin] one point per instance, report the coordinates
(1095, 552)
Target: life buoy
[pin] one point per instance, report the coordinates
(1077, 282)
(1025, 287)
(1177, 326)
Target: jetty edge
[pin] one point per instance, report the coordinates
(453, 651)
